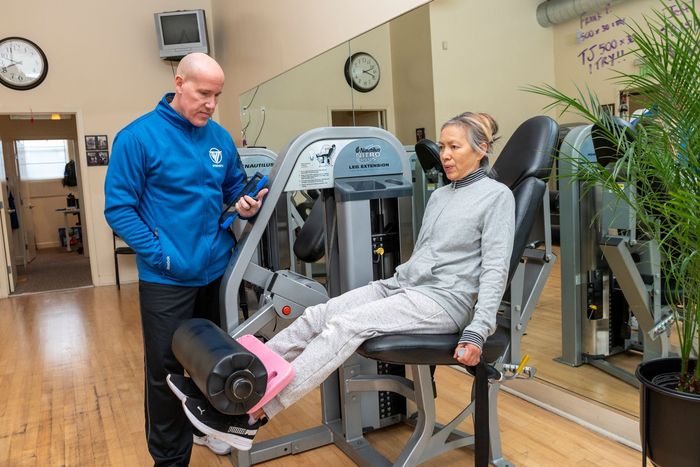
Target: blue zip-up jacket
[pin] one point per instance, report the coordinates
(166, 186)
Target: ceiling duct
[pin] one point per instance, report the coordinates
(554, 12)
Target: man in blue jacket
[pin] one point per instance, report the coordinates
(171, 172)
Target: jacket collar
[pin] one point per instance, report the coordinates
(167, 111)
(475, 176)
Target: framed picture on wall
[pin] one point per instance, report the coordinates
(102, 142)
(95, 158)
(92, 158)
(609, 109)
(102, 158)
(90, 142)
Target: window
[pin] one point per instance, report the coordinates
(42, 159)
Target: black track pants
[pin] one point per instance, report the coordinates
(163, 308)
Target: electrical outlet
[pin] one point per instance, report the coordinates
(262, 108)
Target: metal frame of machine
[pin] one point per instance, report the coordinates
(610, 279)
(367, 172)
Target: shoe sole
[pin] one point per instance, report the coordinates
(235, 441)
(180, 395)
(225, 452)
(199, 441)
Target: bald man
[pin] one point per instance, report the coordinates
(171, 173)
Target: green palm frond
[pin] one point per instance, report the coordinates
(662, 160)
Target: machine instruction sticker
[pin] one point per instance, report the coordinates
(314, 168)
(323, 161)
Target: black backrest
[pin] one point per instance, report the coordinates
(523, 165)
(428, 154)
(528, 152)
(528, 201)
(309, 245)
(605, 151)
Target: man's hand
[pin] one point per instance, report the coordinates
(467, 354)
(247, 206)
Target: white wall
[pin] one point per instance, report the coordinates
(492, 50)
(303, 97)
(258, 40)
(483, 67)
(591, 63)
(411, 58)
(104, 66)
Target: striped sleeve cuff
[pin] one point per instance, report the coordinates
(470, 337)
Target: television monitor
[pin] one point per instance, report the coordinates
(181, 32)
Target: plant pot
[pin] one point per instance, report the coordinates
(669, 420)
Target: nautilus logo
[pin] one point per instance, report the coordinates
(257, 165)
(216, 155)
(367, 154)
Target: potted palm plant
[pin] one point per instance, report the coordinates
(659, 157)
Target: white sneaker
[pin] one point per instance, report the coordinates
(216, 446)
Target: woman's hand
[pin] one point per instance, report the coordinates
(247, 206)
(467, 354)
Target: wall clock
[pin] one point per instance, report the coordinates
(23, 65)
(362, 71)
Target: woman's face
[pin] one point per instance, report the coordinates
(458, 158)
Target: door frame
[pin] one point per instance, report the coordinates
(86, 203)
(381, 112)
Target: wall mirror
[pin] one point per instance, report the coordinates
(316, 94)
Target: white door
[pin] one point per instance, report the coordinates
(5, 247)
(26, 218)
(5, 223)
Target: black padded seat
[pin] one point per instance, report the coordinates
(431, 349)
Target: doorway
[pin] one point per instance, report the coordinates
(632, 102)
(42, 233)
(376, 118)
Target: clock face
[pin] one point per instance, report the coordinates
(362, 72)
(23, 64)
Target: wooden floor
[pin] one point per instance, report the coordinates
(71, 380)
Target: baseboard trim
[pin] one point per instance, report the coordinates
(599, 419)
(45, 245)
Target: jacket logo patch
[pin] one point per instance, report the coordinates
(216, 155)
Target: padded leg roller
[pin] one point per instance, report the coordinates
(236, 376)
(232, 378)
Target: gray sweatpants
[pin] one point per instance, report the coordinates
(326, 335)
